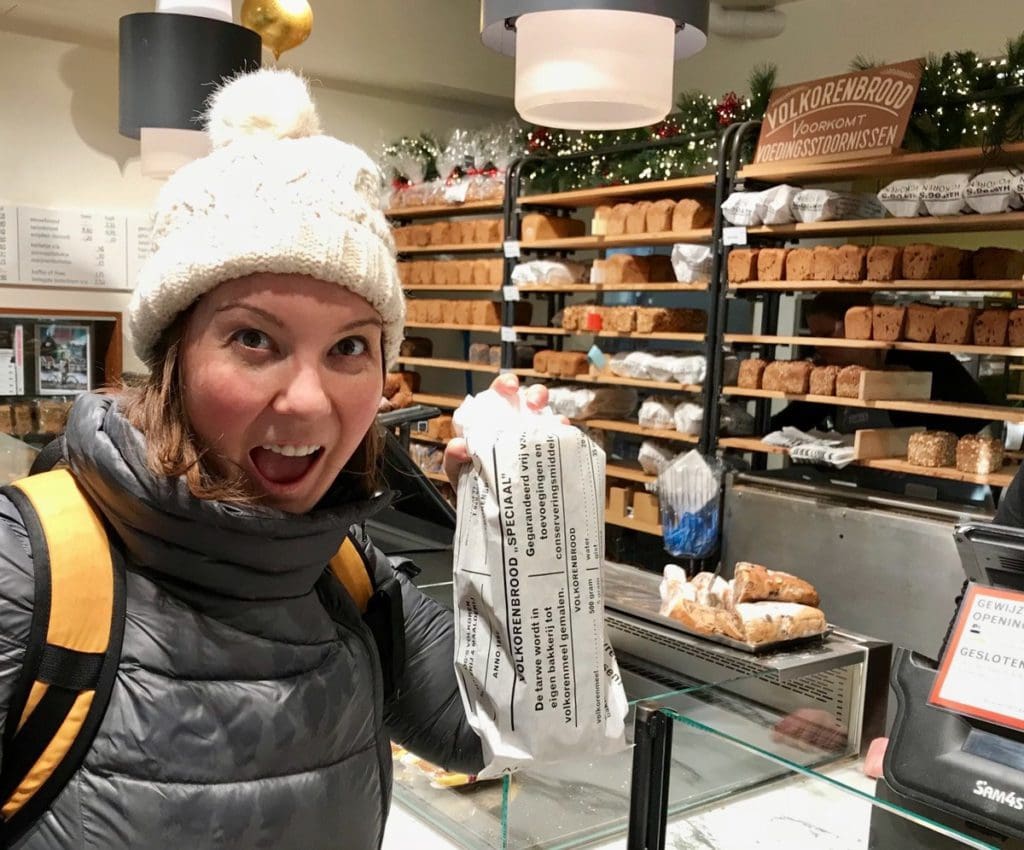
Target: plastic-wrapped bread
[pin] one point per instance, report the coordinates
(771, 264)
(920, 325)
(654, 456)
(848, 381)
(742, 265)
(955, 325)
(858, 323)
(800, 264)
(851, 263)
(592, 403)
(751, 373)
(688, 417)
(979, 455)
(657, 412)
(932, 449)
(754, 583)
(887, 323)
(994, 192)
(823, 380)
(946, 194)
(902, 198)
(884, 262)
(991, 326)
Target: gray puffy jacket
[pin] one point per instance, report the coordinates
(242, 715)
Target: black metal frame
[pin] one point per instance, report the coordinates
(648, 798)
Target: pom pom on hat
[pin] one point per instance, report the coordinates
(269, 104)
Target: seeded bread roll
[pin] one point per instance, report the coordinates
(858, 322)
(955, 325)
(932, 449)
(887, 323)
(754, 583)
(848, 381)
(659, 216)
(800, 264)
(920, 325)
(742, 265)
(823, 380)
(824, 262)
(851, 263)
(691, 215)
(997, 264)
(771, 264)
(990, 327)
(751, 372)
(979, 455)
(884, 262)
(768, 622)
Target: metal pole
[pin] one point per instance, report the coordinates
(648, 799)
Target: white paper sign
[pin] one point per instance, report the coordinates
(734, 235)
(508, 334)
(510, 293)
(512, 250)
(72, 248)
(982, 670)
(139, 228)
(8, 243)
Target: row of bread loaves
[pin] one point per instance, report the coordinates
(665, 216)
(468, 231)
(972, 454)
(454, 273)
(800, 377)
(643, 320)
(432, 311)
(994, 326)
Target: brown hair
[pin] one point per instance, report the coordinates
(156, 408)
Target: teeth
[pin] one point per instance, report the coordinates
(293, 451)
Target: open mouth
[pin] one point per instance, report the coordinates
(284, 466)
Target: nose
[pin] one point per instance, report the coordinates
(303, 393)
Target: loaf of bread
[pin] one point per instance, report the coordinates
(1016, 331)
(851, 262)
(979, 455)
(440, 233)
(659, 269)
(537, 226)
(620, 319)
(567, 364)
(405, 271)
(884, 262)
(955, 325)
(627, 268)
(636, 220)
(997, 264)
(857, 323)
(486, 313)
(490, 230)
(670, 320)
(419, 235)
(991, 326)
(439, 428)
(823, 380)
(659, 216)
(754, 583)
(480, 352)
(461, 312)
(464, 271)
(401, 237)
(617, 220)
(932, 262)
(771, 264)
(599, 223)
(541, 359)
(691, 215)
(416, 346)
(788, 376)
(887, 323)
(920, 325)
(824, 262)
(770, 622)
(848, 381)
(742, 265)
(495, 272)
(932, 449)
(800, 264)
(751, 372)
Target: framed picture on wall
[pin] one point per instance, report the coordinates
(63, 359)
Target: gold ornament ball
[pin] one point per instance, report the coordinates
(282, 24)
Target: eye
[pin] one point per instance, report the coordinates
(251, 338)
(352, 346)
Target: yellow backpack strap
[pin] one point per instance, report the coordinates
(73, 650)
(350, 568)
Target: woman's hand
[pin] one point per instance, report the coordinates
(456, 453)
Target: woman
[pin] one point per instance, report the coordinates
(245, 715)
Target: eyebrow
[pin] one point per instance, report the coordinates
(373, 321)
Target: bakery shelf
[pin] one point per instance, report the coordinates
(635, 240)
(828, 342)
(430, 441)
(895, 464)
(613, 380)
(448, 401)
(1014, 397)
(1017, 367)
(444, 326)
(936, 408)
(635, 525)
(538, 330)
(895, 226)
(440, 363)
(878, 286)
(437, 476)
(619, 194)
(433, 287)
(479, 248)
(678, 337)
(615, 287)
(445, 210)
(628, 473)
(885, 166)
(621, 427)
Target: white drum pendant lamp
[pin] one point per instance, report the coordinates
(594, 64)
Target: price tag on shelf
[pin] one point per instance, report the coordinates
(512, 250)
(510, 293)
(596, 356)
(508, 334)
(734, 236)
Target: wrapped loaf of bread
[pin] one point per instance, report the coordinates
(932, 449)
(979, 455)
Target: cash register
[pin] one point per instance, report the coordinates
(957, 768)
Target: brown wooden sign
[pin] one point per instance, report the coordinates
(859, 114)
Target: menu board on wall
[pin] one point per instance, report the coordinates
(139, 229)
(8, 243)
(72, 248)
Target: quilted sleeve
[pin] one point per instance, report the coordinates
(427, 717)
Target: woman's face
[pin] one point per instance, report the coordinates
(282, 376)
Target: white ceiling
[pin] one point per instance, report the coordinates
(427, 46)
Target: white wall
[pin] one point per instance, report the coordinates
(59, 145)
(823, 36)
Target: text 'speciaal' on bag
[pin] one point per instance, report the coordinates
(538, 676)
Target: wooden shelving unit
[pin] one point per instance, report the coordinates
(437, 476)
(620, 194)
(479, 248)
(637, 430)
(628, 473)
(894, 226)
(430, 441)
(612, 380)
(599, 243)
(484, 329)
(449, 402)
(879, 286)
(440, 363)
(431, 287)
(444, 210)
(828, 342)
(634, 525)
(598, 288)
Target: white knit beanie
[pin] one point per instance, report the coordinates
(275, 195)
